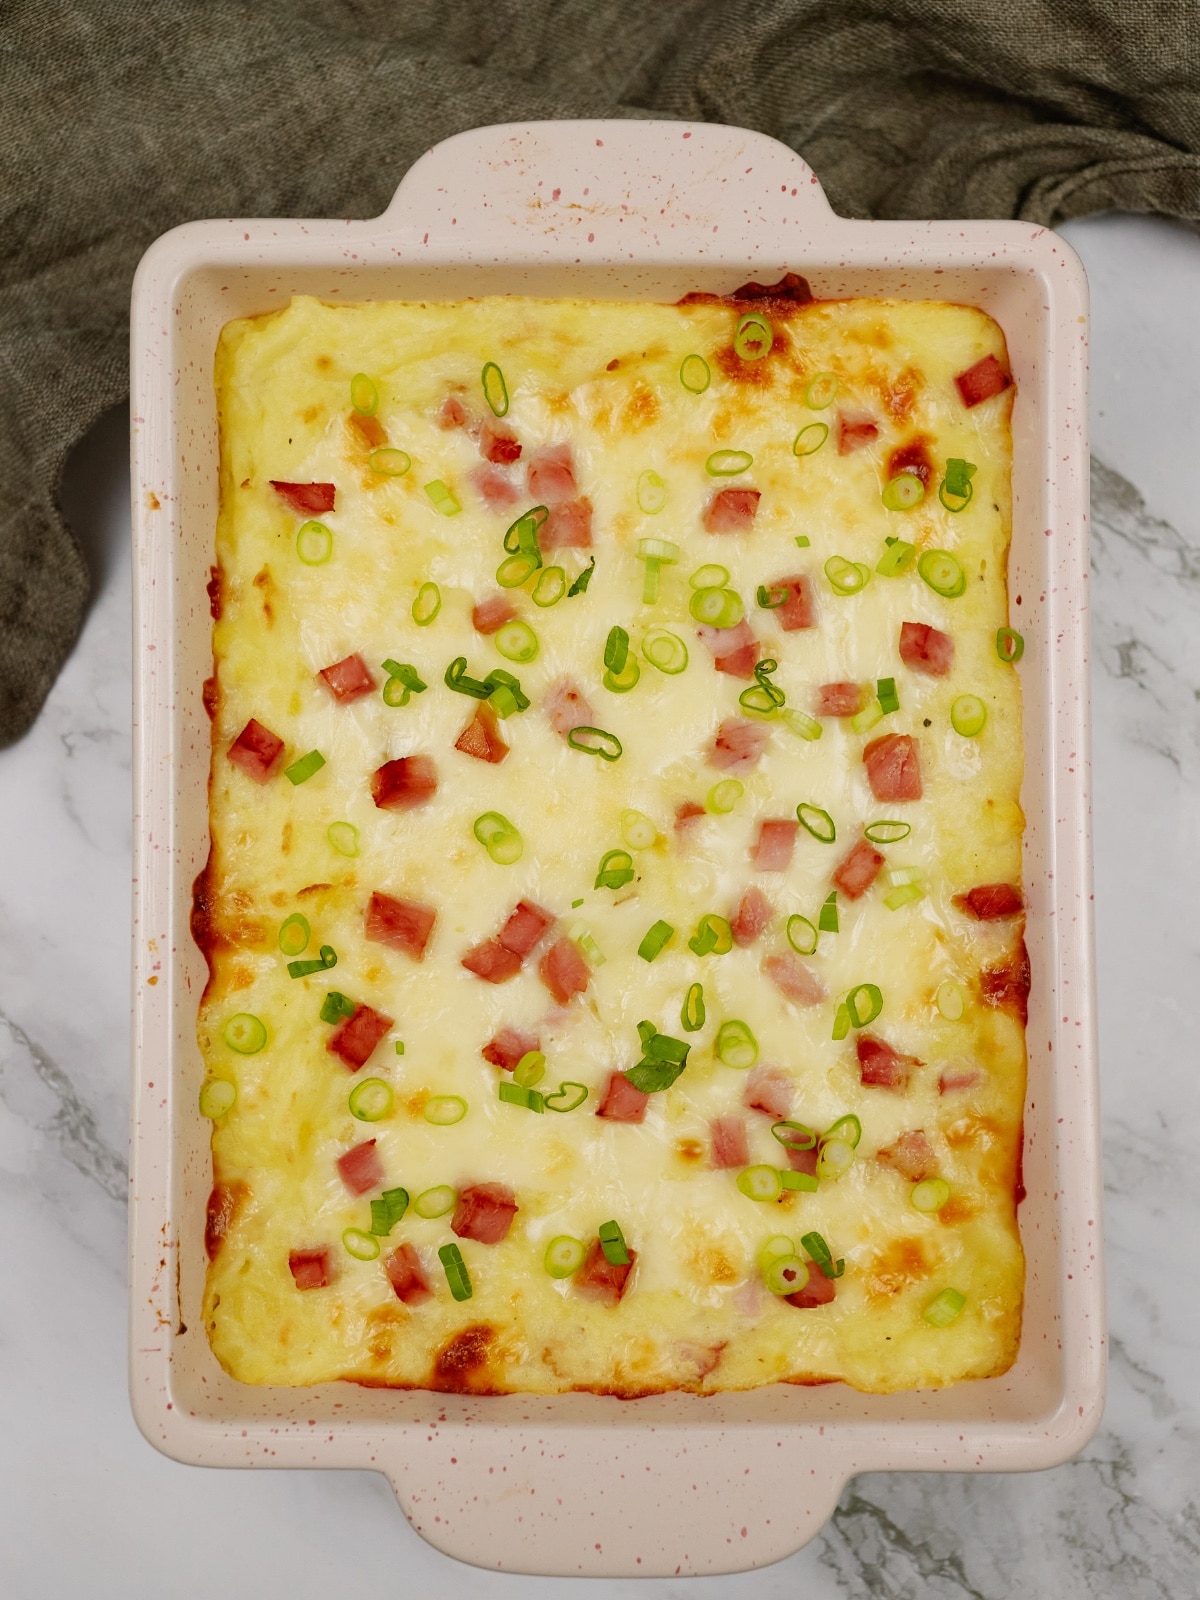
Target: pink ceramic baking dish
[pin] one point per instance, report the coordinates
(585, 1484)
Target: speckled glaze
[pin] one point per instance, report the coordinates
(581, 1484)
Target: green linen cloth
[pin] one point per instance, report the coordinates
(121, 118)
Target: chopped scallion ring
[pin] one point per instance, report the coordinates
(827, 919)
(794, 1135)
(728, 463)
(564, 1256)
(343, 836)
(625, 680)
(336, 1006)
(753, 337)
(930, 1194)
(864, 1003)
(821, 392)
(595, 742)
(835, 1157)
(717, 608)
(442, 498)
(427, 604)
(822, 1255)
(870, 714)
(506, 699)
(301, 771)
(885, 693)
(903, 492)
(612, 1242)
(245, 1033)
(616, 649)
(800, 723)
(848, 1129)
(896, 559)
(785, 1274)
(736, 1046)
(818, 821)
(763, 698)
(651, 493)
(692, 1014)
(303, 969)
(371, 1100)
(904, 894)
(1010, 646)
(388, 462)
(841, 1023)
(495, 390)
(436, 1202)
(499, 838)
(968, 715)
(530, 1069)
(666, 651)
(944, 1308)
(637, 830)
(846, 577)
(403, 682)
(616, 870)
(314, 544)
(957, 490)
(580, 934)
(550, 587)
(656, 940)
(804, 1181)
(713, 936)
(801, 935)
(444, 1110)
(887, 832)
(362, 1246)
(364, 396)
(456, 1271)
(950, 1000)
(522, 535)
(457, 678)
(760, 1183)
(723, 796)
(709, 577)
(391, 1206)
(943, 573)
(514, 570)
(294, 933)
(568, 1096)
(217, 1097)
(516, 1094)
(803, 542)
(776, 1247)
(772, 599)
(582, 581)
(694, 374)
(810, 438)
(516, 641)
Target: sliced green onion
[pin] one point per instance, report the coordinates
(616, 870)
(301, 771)
(456, 1271)
(568, 1096)
(896, 559)
(612, 1242)
(800, 723)
(944, 1308)
(810, 438)
(968, 715)
(666, 651)
(505, 692)
(499, 838)
(711, 576)
(827, 919)
(885, 691)
(846, 577)
(625, 680)
(516, 1094)
(818, 821)
(530, 1069)
(343, 836)
(803, 541)
(785, 1274)
(516, 641)
(403, 682)
(217, 1097)
(391, 1205)
(371, 1100)
(760, 1183)
(862, 721)
(564, 1256)
(691, 1015)
(245, 1033)
(294, 935)
(822, 391)
(364, 396)
(582, 581)
(887, 832)
(835, 1157)
(427, 604)
(444, 1110)
(456, 678)
(864, 1003)
(957, 486)
(753, 337)
(495, 390)
(399, 1047)
(772, 599)
(728, 463)
(304, 969)
(713, 936)
(595, 742)
(514, 570)
(841, 1022)
(336, 1007)
(736, 1046)
(442, 498)
(580, 934)
(942, 572)
(763, 698)
(637, 830)
(694, 374)
(794, 1135)
(776, 1247)
(522, 535)
(651, 493)
(903, 492)
(847, 1128)
(904, 894)
(616, 649)
(656, 553)
(314, 544)
(801, 935)
(656, 940)
(360, 1245)
(1010, 646)
(822, 1255)
(717, 608)
(436, 1202)
(550, 587)
(389, 462)
(930, 1194)
(950, 1000)
(723, 796)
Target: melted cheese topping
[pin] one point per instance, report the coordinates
(695, 1315)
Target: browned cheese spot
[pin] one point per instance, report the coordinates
(210, 695)
(265, 584)
(957, 1209)
(901, 1263)
(224, 1207)
(324, 363)
(215, 592)
(460, 1366)
(285, 839)
(1006, 984)
(641, 409)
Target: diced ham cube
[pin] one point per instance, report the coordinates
(564, 971)
(804, 1160)
(705, 1358)
(507, 1046)
(731, 510)
(525, 928)
(491, 614)
(754, 912)
(256, 750)
(354, 1039)
(492, 962)
(734, 650)
(772, 850)
(622, 1102)
(881, 1067)
(567, 527)
(793, 979)
(551, 475)
(913, 457)
(482, 738)
(911, 1156)
(855, 432)
(309, 499)
(818, 1291)
(404, 925)
(369, 431)
(312, 1269)
(453, 413)
(494, 487)
(406, 1275)
(401, 785)
(982, 381)
(730, 1147)
(566, 707)
(361, 1168)
(738, 745)
(498, 443)
(687, 812)
(768, 1090)
(799, 610)
(348, 680)
(894, 767)
(599, 1279)
(955, 1079)
(858, 870)
(484, 1212)
(989, 902)
(839, 700)
(926, 649)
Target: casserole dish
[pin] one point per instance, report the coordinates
(578, 1483)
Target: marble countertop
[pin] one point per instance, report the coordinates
(90, 1509)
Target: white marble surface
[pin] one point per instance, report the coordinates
(89, 1509)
